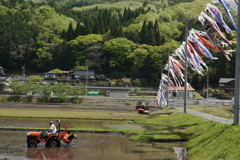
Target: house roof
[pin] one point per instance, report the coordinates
(109, 88)
(226, 80)
(83, 72)
(5, 78)
(65, 72)
(50, 72)
(181, 88)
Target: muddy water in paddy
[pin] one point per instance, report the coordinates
(72, 123)
(87, 146)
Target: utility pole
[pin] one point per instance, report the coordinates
(161, 87)
(23, 70)
(86, 80)
(185, 71)
(207, 83)
(237, 74)
(168, 78)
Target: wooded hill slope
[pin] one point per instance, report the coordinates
(112, 37)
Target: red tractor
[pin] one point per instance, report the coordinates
(54, 140)
(142, 107)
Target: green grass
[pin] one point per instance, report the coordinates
(176, 126)
(197, 95)
(207, 140)
(218, 142)
(221, 111)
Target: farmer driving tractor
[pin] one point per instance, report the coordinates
(52, 129)
(143, 105)
(51, 138)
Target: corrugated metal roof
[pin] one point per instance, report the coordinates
(83, 72)
(226, 80)
(181, 88)
(3, 78)
(66, 72)
(110, 88)
(50, 72)
(6, 78)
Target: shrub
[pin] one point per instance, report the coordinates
(3, 99)
(127, 103)
(139, 102)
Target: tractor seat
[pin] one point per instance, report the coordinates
(41, 134)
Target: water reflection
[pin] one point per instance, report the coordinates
(89, 146)
(49, 153)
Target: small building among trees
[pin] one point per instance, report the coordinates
(5, 80)
(179, 92)
(227, 84)
(83, 75)
(112, 91)
(50, 78)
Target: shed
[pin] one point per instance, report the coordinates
(179, 91)
(113, 91)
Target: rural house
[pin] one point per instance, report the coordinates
(50, 78)
(179, 92)
(227, 84)
(5, 80)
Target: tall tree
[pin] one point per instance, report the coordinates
(157, 33)
(151, 35)
(144, 32)
(88, 27)
(64, 34)
(70, 32)
(120, 32)
(79, 30)
(101, 25)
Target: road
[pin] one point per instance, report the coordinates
(208, 116)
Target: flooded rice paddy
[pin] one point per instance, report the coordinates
(92, 146)
(87, 146)
(72, 123)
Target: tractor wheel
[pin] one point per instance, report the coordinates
(53, 143)
(32, 144)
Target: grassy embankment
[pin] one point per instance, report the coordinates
(206, 139)
(221, 111)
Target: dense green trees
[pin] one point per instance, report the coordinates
(57, 93)
(117, 38)
(85, 49)
(118, 50)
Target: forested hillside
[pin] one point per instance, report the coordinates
(116, 38)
